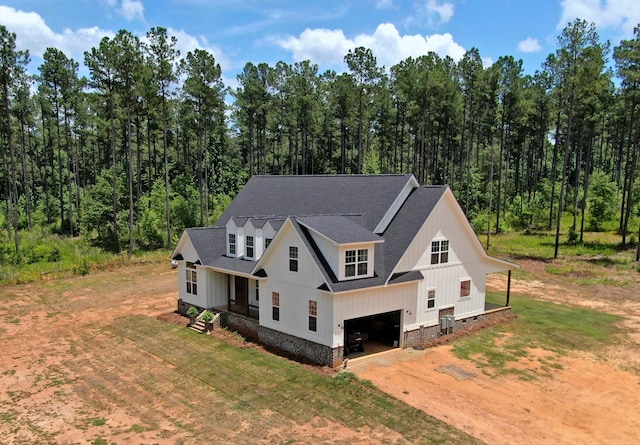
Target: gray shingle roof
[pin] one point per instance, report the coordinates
(369, 196)
(343, 208)
(339, 229)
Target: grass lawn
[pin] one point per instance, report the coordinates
(250, 381)
(551, 329)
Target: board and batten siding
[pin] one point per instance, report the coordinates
(295, 289)
(200, 299)
(217, 288)
(379, 300)
(466, 260)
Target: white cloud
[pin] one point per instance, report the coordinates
(186, 42)
(322, 46)
(33, 34)
(328, 47)
(622, 15)
(132, 9)
(441, 11)
(529, 45)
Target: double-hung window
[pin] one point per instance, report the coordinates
(313, 315)
(431, 298)
(293, 258)
(249, 247)
(439, 252)
(356, 262)
(275, 306)
(232, 244)
(192, 279)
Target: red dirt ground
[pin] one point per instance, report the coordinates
(59, 374)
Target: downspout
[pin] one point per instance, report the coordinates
(508, 287)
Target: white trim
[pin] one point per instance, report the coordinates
(411, 184)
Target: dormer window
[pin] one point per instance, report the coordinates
(249, 247)
(356, 262)
(232, 243)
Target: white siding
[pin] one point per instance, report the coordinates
(366, 302)
(201, 298)
(465, 261)
(295, 289)
(217, 288)
(328, 250)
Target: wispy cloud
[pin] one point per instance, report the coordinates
(529, 45)
(622, 15)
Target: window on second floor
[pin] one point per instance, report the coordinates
(293, 258)
(267, 242)
(249, 247)
(356, 262)
(192, 279)
(232, 243)
(439, 252)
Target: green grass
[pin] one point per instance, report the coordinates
(548, 326)
(252, 381)
(49, 257)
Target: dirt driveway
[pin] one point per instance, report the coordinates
(63, 381)
(587, 400)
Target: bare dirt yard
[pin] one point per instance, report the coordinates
(63, 380)
(588, 400)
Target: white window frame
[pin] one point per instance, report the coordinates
(293, 259)
(431, 298)
(275, 306)
(313, 316)
(249, 247)
(191, 278)
(440, 251)
(465, 293)
(354, 260)
(233, 244)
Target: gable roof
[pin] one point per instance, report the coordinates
(339, 229)
(365, 198)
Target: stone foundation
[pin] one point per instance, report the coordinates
(310, 352)
(287, 345)
(425, 334)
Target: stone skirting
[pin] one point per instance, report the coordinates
(426, 334)
(310, 352)
(284, 344)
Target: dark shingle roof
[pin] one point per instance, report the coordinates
(210, 246)
(339, 229)
(343, 208)
(367, 195)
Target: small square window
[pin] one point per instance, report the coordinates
(465, 288)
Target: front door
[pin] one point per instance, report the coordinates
(242, 291)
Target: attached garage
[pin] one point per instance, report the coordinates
(372, 333)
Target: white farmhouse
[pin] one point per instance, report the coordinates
(314, 265)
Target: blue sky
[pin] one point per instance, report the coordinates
(241, 31)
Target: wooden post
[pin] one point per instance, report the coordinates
(508, 287)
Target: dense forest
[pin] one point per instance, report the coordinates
(153, 141)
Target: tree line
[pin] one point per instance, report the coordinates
(153, 142)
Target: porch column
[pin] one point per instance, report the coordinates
(228, 292)
(508, 287)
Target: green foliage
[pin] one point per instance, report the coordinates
(192, 312)
(603, 200)
(371, 164)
